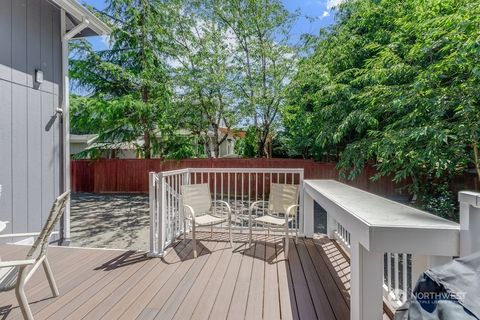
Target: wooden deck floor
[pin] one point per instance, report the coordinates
(250, 283)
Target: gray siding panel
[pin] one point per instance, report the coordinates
(33, 40)
(47, 157)
(6, 38)
(56, 149)
(57, 55)
(47, 46)
(5, 152)
(34, 169)
(19, 41)
(30, 132)
(19, 156)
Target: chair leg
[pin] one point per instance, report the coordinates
(194, 241)
(184, 230)
(250, 230)
(23, 302)
(230, 233)
(287, 242)
(51, 280)
(296, 231)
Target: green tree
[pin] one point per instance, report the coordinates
(263, 56)
(130, 81)
(396, 85)
(204, 74)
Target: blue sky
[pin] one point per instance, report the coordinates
(321, 10)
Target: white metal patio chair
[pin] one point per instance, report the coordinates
(201, 211)
(15, 274)
(281, 210)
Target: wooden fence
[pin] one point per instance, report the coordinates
(131, 175)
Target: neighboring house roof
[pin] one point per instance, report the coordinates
(83, 138)
(233, 132)
(115, 146)
(76, 13)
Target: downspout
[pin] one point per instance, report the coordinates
(65, 109)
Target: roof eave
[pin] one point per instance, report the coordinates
(80, 12)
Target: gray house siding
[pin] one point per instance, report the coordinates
(30, 132)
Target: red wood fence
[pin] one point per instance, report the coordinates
(122, 175)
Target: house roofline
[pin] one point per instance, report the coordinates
(81, 13)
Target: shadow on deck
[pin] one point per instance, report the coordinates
(246, 283)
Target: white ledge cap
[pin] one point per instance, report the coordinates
(469, 197)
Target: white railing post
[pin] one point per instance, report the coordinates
(185, 181)
(152, 185)
(366, 283)
(162, 212)
(306, 218)
(469, 222)
(331, 226)
(420, 264)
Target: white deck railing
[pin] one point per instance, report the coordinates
(240, 187)
(390, 244)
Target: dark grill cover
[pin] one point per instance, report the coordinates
(448, 292)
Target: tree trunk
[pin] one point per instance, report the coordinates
(206, 146)
(146, 145)
(263, 143)
(476, 158)
(216, 145)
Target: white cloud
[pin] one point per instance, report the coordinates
(334, 3)
(325, 14)
(106, 41)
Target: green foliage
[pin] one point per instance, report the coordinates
(247, 146)
(262, 55)
(396, 85)
(439, 199)
(203, 73)
(128, 84)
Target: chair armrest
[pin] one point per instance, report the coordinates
(225, 204)
(290, 208)
(289, 211)
(256, 203)
(21, 235)
(16, 263)
(192, 212)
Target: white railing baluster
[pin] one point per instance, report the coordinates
(405, 277)
(166, 211)
(389, 274)
(395, 274)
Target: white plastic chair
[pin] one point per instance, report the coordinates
(281, 210)
(15, 274)
(201, 211)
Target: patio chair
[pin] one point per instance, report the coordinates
(15, 274)
(201, 211)
(281, 210)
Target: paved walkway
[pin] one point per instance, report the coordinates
(118, 221)
(121, 221)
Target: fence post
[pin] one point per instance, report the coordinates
(469, 222)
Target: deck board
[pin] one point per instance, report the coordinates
(245, 283)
